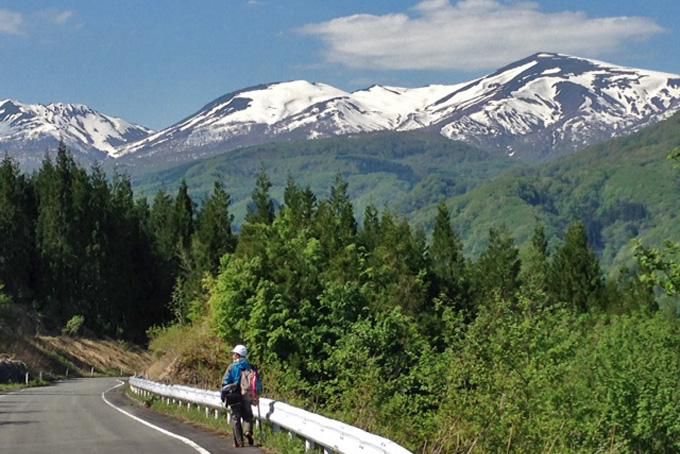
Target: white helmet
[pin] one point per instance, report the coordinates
(241, 351)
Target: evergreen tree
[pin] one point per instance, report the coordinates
(212, 239)
(261, 210)
(258, 219)
(447, 260)
(183, 217)
(55, 233)
(16, 230)
(499, 266)
(535, 268)
(341, 205)
(161, 224)
(575, 277)
(300, 204)
(335, 222)
(369, 236)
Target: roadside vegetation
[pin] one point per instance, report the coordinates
(380, 327)
(279, 442)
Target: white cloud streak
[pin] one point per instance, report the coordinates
(470, 35)
(18, 24)
(10, 22)
(61, 17)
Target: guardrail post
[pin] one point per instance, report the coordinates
(309, 445)
(41, 375)
(206, 412)
(27, 378)
(327, 451)
(217, 413)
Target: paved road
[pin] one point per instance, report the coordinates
(72, 417)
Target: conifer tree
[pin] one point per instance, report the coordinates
(370, 233)
(447, 259)
(575, 277)
(213, 237)
(55, 234)
(16, 230)
(261, 210)
(499, 266)
(535, 267)
(161, 224)
(300, 204)
(183, 217)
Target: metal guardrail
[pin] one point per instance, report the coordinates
(317, 431)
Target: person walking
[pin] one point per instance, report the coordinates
(241, 406)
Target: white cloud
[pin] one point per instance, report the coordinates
(15, 23)
(471, 35)
(10, 22)
(61, 17)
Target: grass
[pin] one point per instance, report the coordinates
(272, 442)
(12, 387)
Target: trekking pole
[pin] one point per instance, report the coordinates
(259, 418)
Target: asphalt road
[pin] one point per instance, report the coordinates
(73, 417)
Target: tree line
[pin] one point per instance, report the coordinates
(78, 244)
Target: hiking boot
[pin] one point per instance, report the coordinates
(249, 436)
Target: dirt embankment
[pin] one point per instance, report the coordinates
(190, 355)
(58, 356)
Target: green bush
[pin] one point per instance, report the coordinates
(73, 326)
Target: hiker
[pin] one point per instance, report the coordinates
(240, 389)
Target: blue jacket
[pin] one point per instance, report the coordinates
(233, 373)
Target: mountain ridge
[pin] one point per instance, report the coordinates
(540, 106)
(28, 131)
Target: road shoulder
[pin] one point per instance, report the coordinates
(211, 441)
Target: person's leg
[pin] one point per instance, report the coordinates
(237, 429)
(248, 421)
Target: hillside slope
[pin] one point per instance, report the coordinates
(622, 189)
(404, 171)
(54, 355)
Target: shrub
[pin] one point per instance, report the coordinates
(73, 326)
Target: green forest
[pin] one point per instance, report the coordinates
(622, 189)
(376, 323)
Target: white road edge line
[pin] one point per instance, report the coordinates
(146, 423)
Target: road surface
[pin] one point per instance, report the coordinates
(74, 417)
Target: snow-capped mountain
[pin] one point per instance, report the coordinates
(547, 103)
(27, 131)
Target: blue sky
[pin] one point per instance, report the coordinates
(156, 62)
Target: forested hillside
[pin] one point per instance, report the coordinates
(405, 171)
(621, 189)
